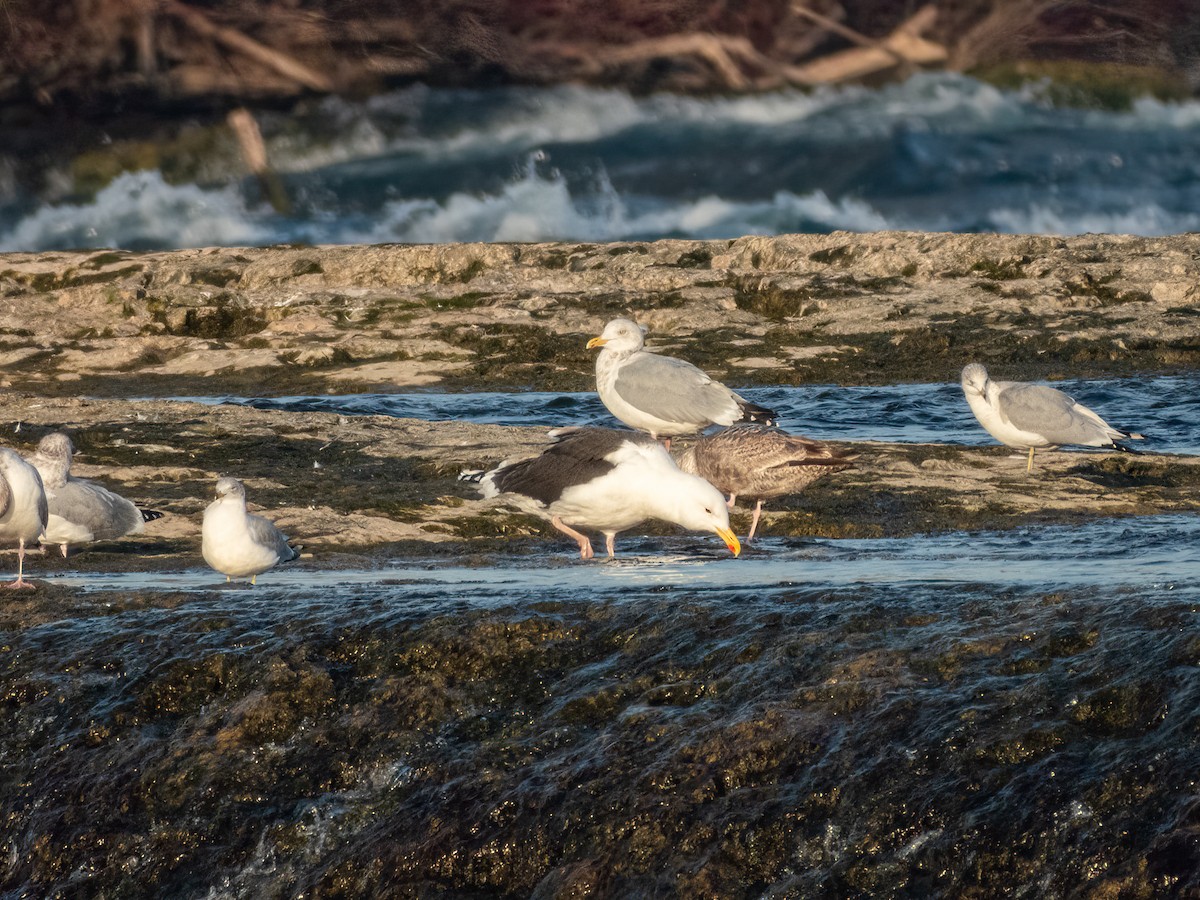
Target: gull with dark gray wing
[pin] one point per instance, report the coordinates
(663, 396)
(1033, 416)
(607, 480)
(762, 463)
(80, 510)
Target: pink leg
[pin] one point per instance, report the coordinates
(63, 547)
(608, 544)
(585, 545)
(666, 442)
(732, 501)
(754, 521)
(20, 582)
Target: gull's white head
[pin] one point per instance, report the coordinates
(230, 487)
(620, 335)
(698, 506)
(974, 380)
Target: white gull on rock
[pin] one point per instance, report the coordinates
(661, 395)
(237, 543)
(1032, 416)
(81, 510)
(22, 507)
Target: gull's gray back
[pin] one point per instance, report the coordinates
(265, 534)
(1052, 414)
(673, 390)
(105, 514)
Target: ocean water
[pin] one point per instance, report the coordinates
(939, 152)
(1166, 409)
(932, 716)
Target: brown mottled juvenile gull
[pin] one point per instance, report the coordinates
(1029, 416)
(22, 507)
(762, 463)
(607, 480)
(237, 543)
(661, 395)
(80, 510)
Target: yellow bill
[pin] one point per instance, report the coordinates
(730, 539)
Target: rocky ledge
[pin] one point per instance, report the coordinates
(839, 308)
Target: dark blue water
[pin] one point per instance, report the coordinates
(1165, 409)
(1115, 555)
(939, 153)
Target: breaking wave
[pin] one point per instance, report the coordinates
(935, 153)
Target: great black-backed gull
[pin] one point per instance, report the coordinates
(22, 507)
(607, 480)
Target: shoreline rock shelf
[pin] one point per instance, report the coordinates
(840, 308)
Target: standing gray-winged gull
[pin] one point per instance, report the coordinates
(607, 480)
(1029, 416)
(81, 510)
(22, 507)
(660, 395)
(761, 462)
(237, 543)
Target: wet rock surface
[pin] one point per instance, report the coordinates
(839, 308)
(900, 739)
(803, 743)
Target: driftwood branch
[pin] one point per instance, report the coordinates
(845, 31)
(254, 154)
(285, 65)
(904, 45)
(713, 49)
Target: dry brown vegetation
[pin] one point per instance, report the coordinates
(97, 52)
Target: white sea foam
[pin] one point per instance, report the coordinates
(537, 208)
(142, 210)
(139, 209)
(1144, 219)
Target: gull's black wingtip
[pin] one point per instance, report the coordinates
(760, 415)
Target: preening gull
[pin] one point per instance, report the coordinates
(22, 507)
(607, 480)
(237, 543)
(762, 463)
(1029, 416)
(660, 395)
(81, 510)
